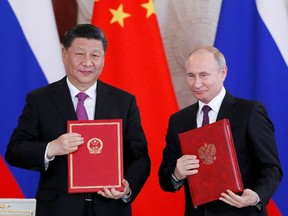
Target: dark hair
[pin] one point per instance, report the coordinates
(84, 31)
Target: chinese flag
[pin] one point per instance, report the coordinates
(135, 61)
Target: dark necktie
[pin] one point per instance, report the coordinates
(205, 110)
(80, 109)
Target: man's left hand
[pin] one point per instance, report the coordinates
(113, 193)
(248, 198)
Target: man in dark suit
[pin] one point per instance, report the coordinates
(253, 135)
(41, 142)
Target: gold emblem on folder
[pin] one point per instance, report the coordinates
(95, 145)
(207, 153)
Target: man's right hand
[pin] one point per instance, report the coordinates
(64, 144)
(186, 165)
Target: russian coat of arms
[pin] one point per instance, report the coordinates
(207, 153)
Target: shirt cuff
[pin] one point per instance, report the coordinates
(126, 198)
(46, 160)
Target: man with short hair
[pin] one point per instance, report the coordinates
(41, 142)
(253, 135)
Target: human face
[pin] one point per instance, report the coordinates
(205, 78)
(83, 61)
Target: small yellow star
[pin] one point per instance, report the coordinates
(119, 15)
(149, 7)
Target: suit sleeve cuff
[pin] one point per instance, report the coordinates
(176, 183)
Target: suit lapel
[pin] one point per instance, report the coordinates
(62, 99)
(103, 101)
(193, 112)
(225, 109)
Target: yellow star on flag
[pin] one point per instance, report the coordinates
(119, 15)
(149, 7)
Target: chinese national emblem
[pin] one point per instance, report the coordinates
(207, 153)
(95, 145)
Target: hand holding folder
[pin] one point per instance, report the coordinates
(98, 163)
(219, 170)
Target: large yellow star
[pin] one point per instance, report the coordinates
(119, 15)
(149, 7)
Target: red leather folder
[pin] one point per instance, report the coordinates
(219, 170)
(98, 162)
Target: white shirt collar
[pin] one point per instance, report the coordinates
(91, 92)
(216, 102)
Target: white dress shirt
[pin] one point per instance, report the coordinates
(215, 104)
(89, 102)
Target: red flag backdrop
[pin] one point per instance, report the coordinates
(135, 61)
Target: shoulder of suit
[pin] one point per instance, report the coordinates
(246, 105)
(187, 111)
(60, 84)
(246, 102)
(112, 89)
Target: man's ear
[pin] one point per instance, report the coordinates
(224, 72)
(64, 54)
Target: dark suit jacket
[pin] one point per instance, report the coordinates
(44, 119)
(253, 135)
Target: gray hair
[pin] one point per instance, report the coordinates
(218, 56)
